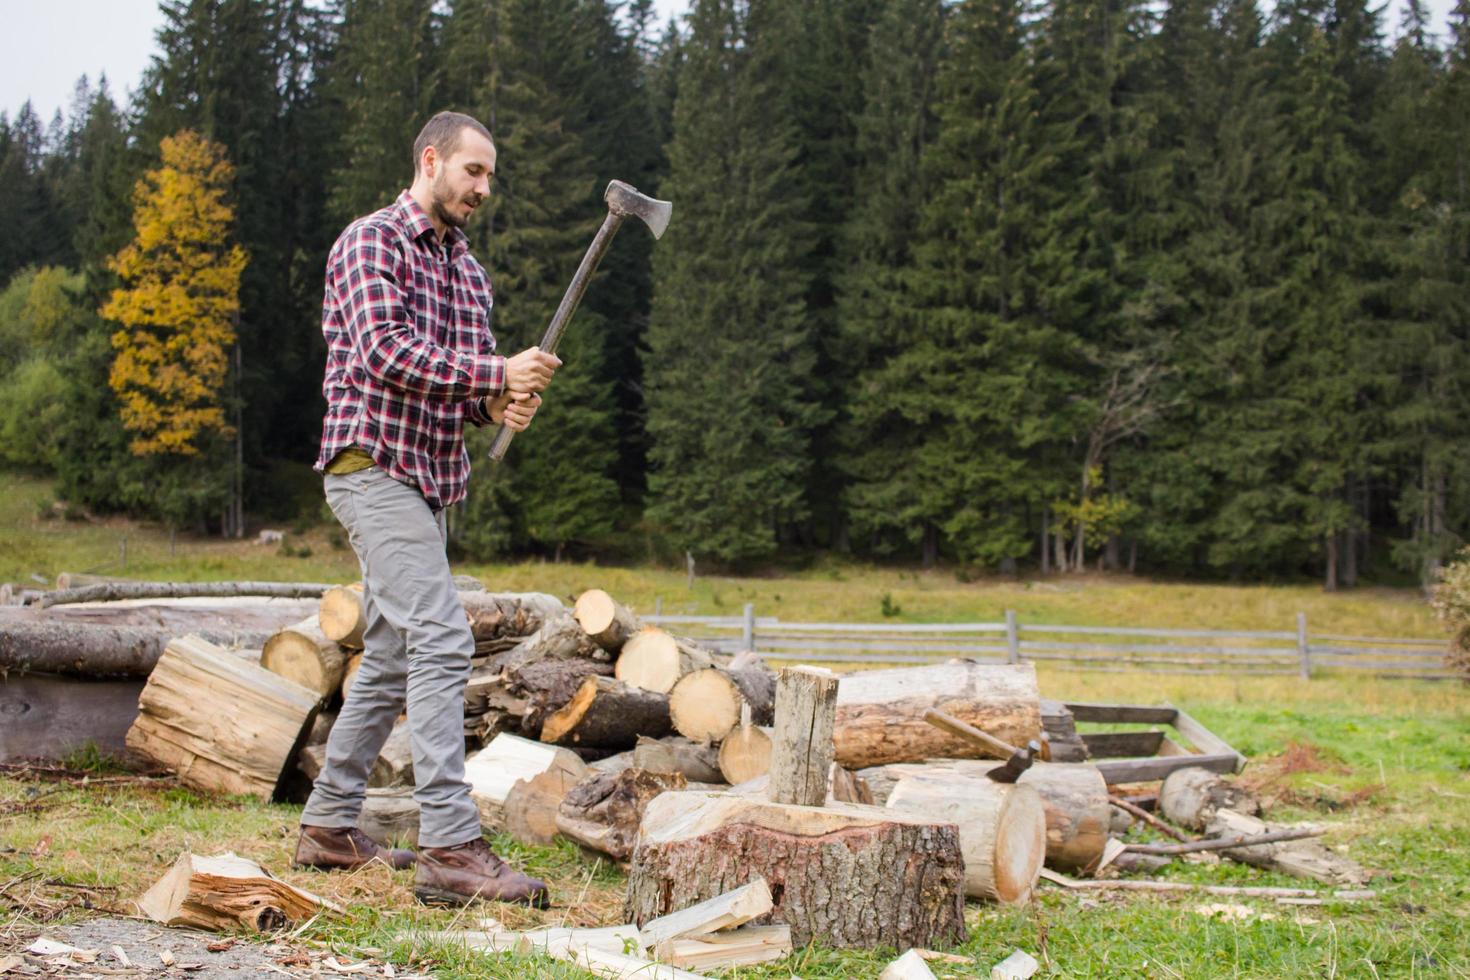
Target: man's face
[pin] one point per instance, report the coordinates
(462, 181)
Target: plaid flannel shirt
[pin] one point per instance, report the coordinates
(410, 355)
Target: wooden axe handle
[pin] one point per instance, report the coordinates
(954, 726)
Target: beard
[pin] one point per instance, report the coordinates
(443, 197)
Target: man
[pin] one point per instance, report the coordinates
(410, 359)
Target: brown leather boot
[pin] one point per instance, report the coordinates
(471, 872)
(325, 848)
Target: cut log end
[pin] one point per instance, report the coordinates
(745, 754)
(341, 615)
(705, 705)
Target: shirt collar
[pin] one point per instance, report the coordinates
(418, 225)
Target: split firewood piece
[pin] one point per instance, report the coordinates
(1002, 831)
(606, 713)
(607, 963)
(224, 725)
(909, 966)
(495, 938)
(518, 785)
(801, 741)
(500, 620)
(604, 811)
(880, 713)
(341, 615)
(694, 846)
(744, 946)
(1302, 858)
(226, 892)
(655, 660)
(1020, 965)
(390, 816)
(304, 654)
(727, 910)
(845, 787)
(698, 761)
(607, 621)
(1191, 797)
(746, 752)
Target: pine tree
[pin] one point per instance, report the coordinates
(25, 199)
(730, 415)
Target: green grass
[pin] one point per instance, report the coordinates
(1385, 765)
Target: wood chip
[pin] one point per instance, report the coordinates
(166, 957)
(122, 957)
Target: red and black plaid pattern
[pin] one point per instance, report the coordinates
(409, 349)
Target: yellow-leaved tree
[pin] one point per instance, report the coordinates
(178, 301)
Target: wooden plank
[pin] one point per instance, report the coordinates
(889, 628)
(939, 647)
(1203, 739)
(1122, 745)
(1148, 631)
(1117, 771)
(1388, 640)
(733, 908)
(1146, 714)
(1162, 648)
(801, 742)
(1377, 652)
(46, 716)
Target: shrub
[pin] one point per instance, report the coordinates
(1451, 601)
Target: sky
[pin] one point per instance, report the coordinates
(48, 44)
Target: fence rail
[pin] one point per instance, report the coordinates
(1115, 647)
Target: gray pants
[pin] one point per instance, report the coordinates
(417, 649)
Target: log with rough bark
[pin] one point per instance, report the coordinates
(1302, 858)
(801, 739)
(606, 713)
(502, 620)
(558, 638)
(390, 816)
(547, 685)
(341, 616)
(112, 591)
(604, 811)
(745, 754)
(655, 660)
(1002, 830)
(880, 713)
(1191, 797)
(304, 654)
(518, 785)
(84, 650)
(698, 761)
(607, 621)
(847, 876)
(227, 892)
(223, 725)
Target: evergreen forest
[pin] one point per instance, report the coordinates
(1178, 287)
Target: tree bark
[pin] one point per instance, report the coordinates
(850, 877)
(547, 686)
(98, 651)
(502, 620)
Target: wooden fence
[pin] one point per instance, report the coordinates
(1294, 651)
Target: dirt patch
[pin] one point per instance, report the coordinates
(114, 947)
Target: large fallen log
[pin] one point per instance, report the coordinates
(518, 786)
(606, 713)
(227, 892)
(847, 876)
(880, 713)
(604, 811)
(99, 651)
(1002, 830)
(112, 591)
(606, 620)
(304, 654)
(225, 726)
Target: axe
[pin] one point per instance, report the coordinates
(622, 200)
(1017, 761)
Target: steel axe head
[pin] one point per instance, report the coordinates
(624, 199)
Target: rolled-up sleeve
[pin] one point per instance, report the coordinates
(382, 332)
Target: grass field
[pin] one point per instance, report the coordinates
(1385, 764)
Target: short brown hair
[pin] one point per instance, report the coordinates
(443, 133)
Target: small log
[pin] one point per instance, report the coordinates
(558, 638)
(606, 713)
(547, 685)
(698, 761)
(705, 705)
(87, 650)
(745, 946)
(655, 660)
(1191, 797)
(1301, 858)
(518, 786)
(724, 911)
(225, 726)
(501, 620)
(303, 653)
(227, 892)
(1002, 831)
(606, 620)
(390, 816)
(909, 966)
(349, 671)
(880, 713)
(801, 741)
(832, 870)
(604, 811)
(745, 754)
(341, 615)
(1060, 731)
(113, 591)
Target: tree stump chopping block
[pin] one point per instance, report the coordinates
(845, 875)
